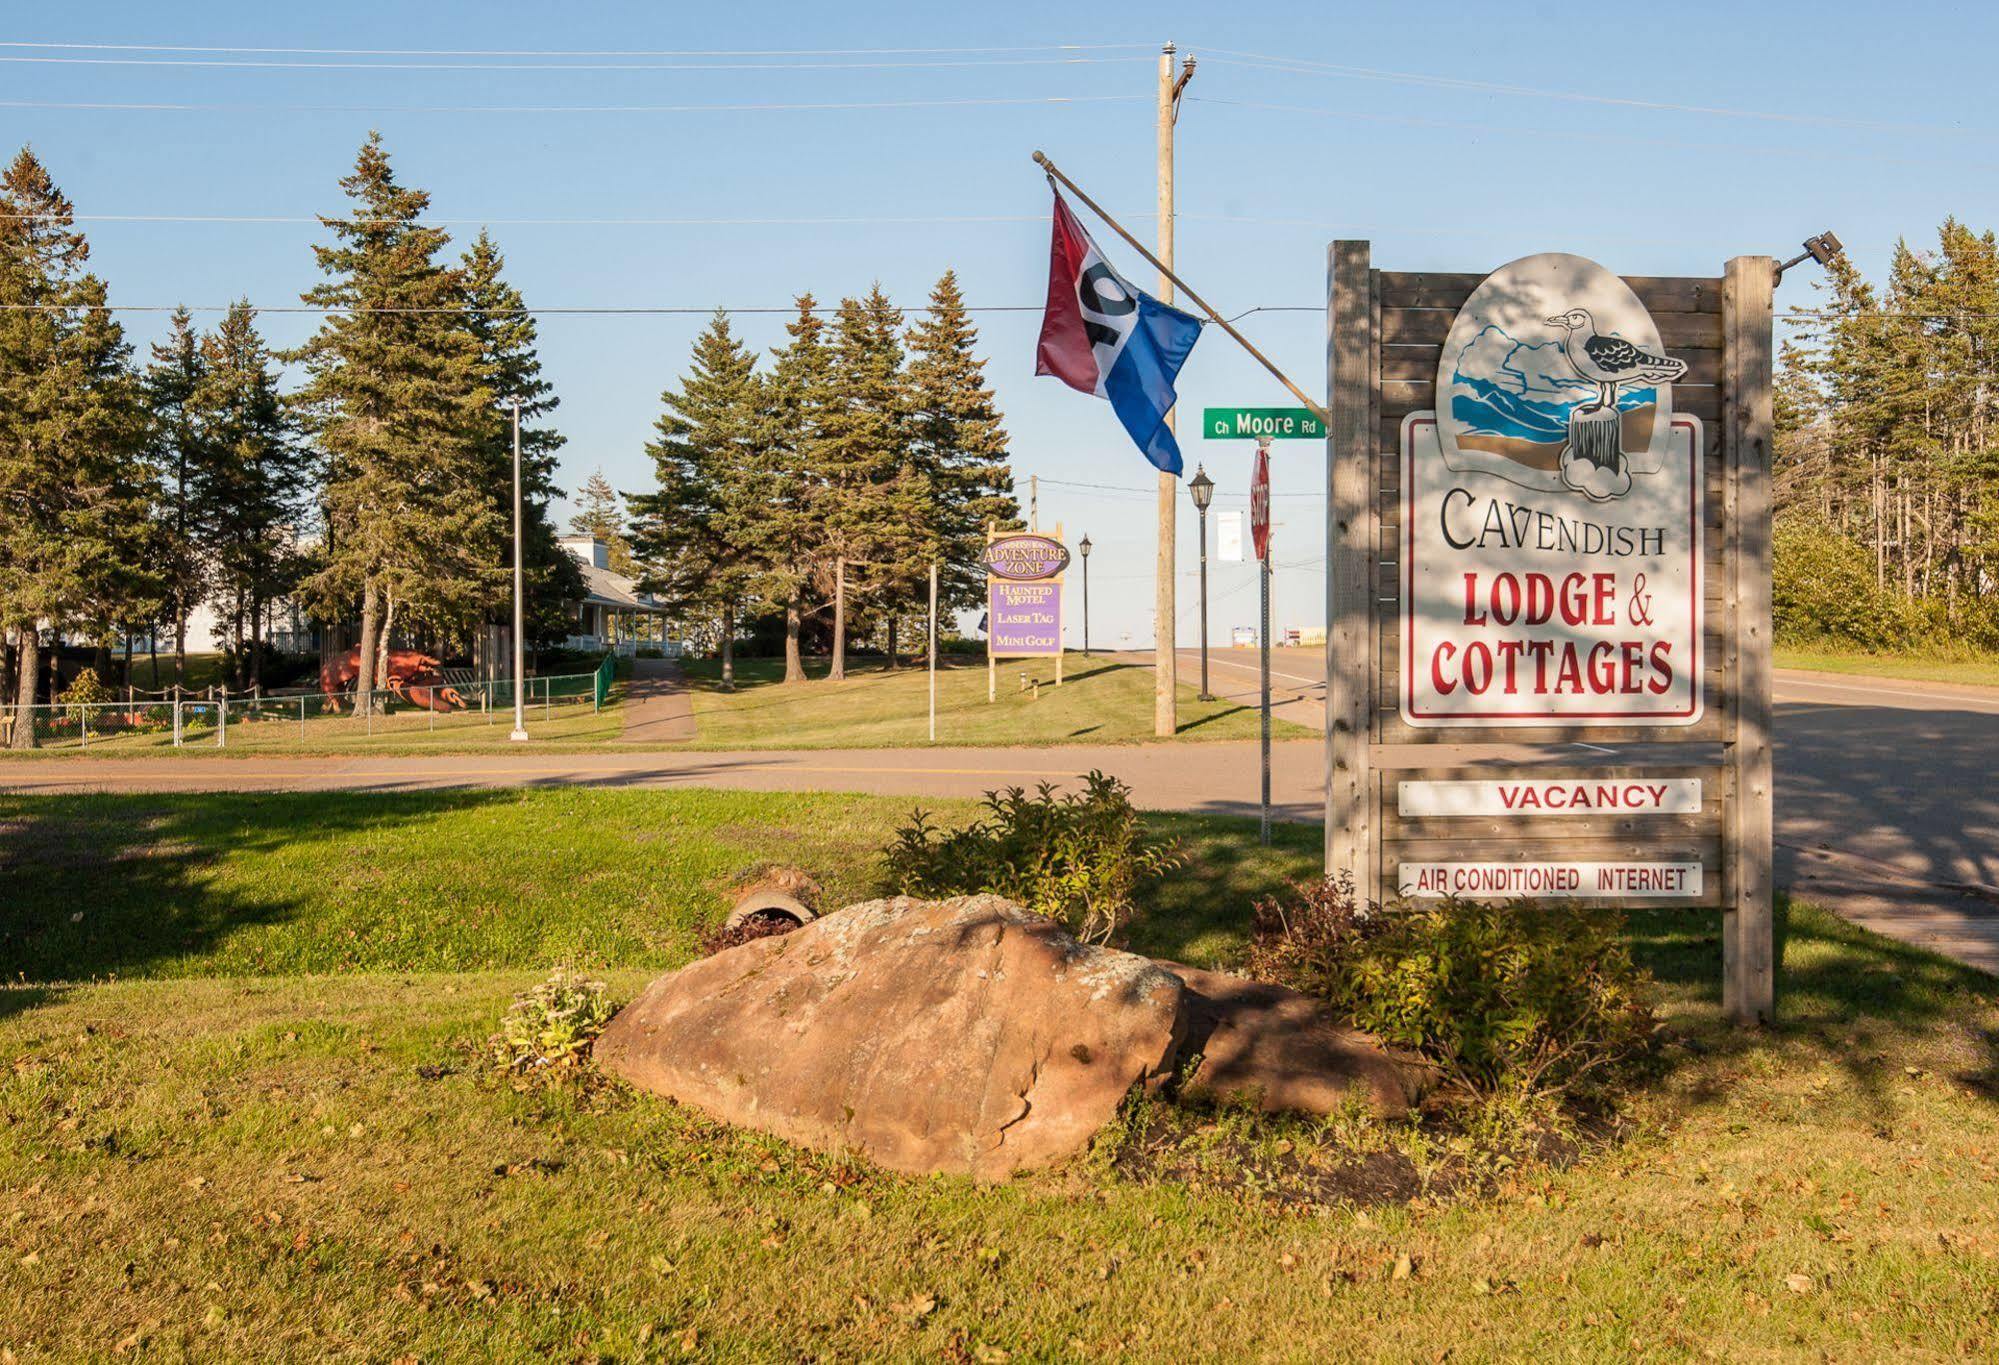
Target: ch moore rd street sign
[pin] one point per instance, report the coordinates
(1276, 424)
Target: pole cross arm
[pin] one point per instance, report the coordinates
(1054, 174)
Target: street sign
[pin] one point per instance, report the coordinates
(1259, 502)
(1281, 424)
(1228, 537)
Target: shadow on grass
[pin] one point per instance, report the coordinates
(102, 886)
(1846, 998)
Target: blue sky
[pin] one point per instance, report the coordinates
(1785, 119)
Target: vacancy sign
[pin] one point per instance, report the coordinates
(1551, 514)
(1573, 796)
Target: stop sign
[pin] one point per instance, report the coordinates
(1259, 502)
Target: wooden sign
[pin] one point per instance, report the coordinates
(1023, 599)
(1551, 514)
(1548, 524)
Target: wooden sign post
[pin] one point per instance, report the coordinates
(1548, 532)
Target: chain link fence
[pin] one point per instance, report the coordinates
(300, 719)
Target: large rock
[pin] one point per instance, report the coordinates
(1283, 1051)
(966, 1035)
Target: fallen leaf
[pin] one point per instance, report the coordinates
(1405, 1266)
(1798, 1284)
(916, 1307)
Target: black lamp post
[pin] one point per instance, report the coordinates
(1084, 546)
(1202, 489)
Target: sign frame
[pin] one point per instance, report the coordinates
(1385, 331)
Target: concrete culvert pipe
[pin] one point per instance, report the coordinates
(767, 904)
(775, 893)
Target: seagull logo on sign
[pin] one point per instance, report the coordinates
(1554, 379)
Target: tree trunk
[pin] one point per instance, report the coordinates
(794, 622)
(364, 680)
(128, 664)
(256, 647)
(894, 661)
(180, 643)
(838, 673)
(29, 674)
(729, 648)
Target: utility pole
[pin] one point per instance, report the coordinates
(1165, 670)
(520, 644)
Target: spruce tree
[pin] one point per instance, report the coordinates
(396, 399)
(789, 482)
(510, 369)
(75, 505)
(177, 453)
(601, 515)
(875, 510)
(252, 484)
(697, 529)
(959, 443)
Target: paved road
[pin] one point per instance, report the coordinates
(1886, 808)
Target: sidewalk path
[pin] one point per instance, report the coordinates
(658, 707)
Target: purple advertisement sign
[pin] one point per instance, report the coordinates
(1024, 619)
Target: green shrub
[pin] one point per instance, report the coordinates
(552, 1025)
(85, 689)
(1078, 858)
(1539, 999)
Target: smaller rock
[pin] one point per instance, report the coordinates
(1283, 1051)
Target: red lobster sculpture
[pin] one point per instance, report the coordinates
(410, 675)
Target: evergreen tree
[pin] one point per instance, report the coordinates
(601, 515)
(397, 401)
(790, 484)
(510, 369)
(959, 444)
(75, 511)
(875, 503)
(251, 485)
(698, 529)
(176, 451)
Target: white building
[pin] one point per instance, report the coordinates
(614, 614)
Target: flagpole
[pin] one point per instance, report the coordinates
(1318, 410)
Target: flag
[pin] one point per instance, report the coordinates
(1101, 336)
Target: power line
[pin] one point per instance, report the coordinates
(340, 311)
(316, 219)
(1307, 67)
(572, 52)
(213, 63)
(172, 107)
(1842, 153)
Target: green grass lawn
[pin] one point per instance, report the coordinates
(245, 1117)
(272, 726)
(1971, 670)
(1099, 702)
